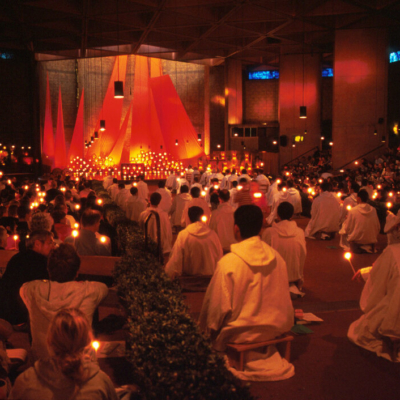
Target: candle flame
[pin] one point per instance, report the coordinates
(75, 233)
(204, 218)
(103, 239)
(347, 255)
(96, 345)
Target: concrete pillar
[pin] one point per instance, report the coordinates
(233, 96)
(359, 93)
(293, 94)
(206, 141)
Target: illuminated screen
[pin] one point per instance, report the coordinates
(394, 57)
(264, 75)
(327, 72)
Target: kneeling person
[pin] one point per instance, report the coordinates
(197, 248)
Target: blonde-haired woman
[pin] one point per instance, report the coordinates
(69, 373)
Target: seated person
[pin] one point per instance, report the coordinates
(289, 241)
(178, 205)
(360, 230)
(325, 215)
(44, 298)
(25, 266)
(61, 227)
(378, 329)
(87, 243)
(135, 205)
(197, 248)
(198, 202)
(222, 221)
(165, 225)
(70, 373)
(248, 298)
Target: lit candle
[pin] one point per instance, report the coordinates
(75, 233)
(204, 219)
(347, 256)
(103, 239)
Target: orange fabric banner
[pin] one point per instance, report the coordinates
(145, 129)
(60, 152)
(174, 121)
(76, 147)
(48, 135)
(111, 112)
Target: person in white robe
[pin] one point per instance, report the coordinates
(281, 196)
(113, 189)
(196, 201)
(170, 180)
(166, 196)
(272, 191)
(262, 181)
(294, 197)
(245, 175)
(195, 174)
(289, 241)
(107, 181)
(225, 183)
(196, 183)
(143, 189)
(378, 329)
(232, 178)
(232, 193)
(196, 250)
(222, 221)
(135, 205)
(178, 205)
(325, 214)
(204, 177)
(360, 230)
(165, 225)
(44, 298)
(248, 299)
(350, 201)
(122, 196)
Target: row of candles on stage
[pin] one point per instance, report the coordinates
(151, 164)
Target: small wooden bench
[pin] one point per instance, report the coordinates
(236, 351)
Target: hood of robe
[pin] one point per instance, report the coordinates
(185, 196)
(63, 295)
(292, 191)
(286, 228)
(48, 372)
(254, 252)
(198, 229)
(226, 208)
(365, 209)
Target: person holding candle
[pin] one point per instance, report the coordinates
(360, 230)
(378, 329)
(195, 201)
(70, 372)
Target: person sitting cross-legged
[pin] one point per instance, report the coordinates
(289, 241)
(248, 299)
(196, 250)
(44, 298)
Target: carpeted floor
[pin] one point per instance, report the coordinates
(328, 366)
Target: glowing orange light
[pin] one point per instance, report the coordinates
(103, 239)
(278, 181)
(389, 204)
(76, 225)
(204, 218)
(203, 193)
(77, 207)
(257, 195)
(239, 187)
(284, 189)
(348, 207)
(15, 237)
(379, 186)
(347, 255)
(390, 194)
(75, 233)
(309, 190)
(96, 345)
(99, 201)
(338, 194)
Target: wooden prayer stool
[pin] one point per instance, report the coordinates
(236, 351)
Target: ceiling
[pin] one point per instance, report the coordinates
(202, 31)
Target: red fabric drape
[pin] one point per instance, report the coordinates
(174, 121)
(111, 112)
(60, 152)
(76, 147)
(118, 150)
(48, 135)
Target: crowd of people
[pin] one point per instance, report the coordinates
(237, 228)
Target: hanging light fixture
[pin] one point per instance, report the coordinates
(91, 139)
(375, 132)
(96, 135)
(305, 131)
(303, 108)
(303, 112)
(102, 125)
(383, 139)
(176, 142)
(102, 121)
(199, 137)
(118, 85)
